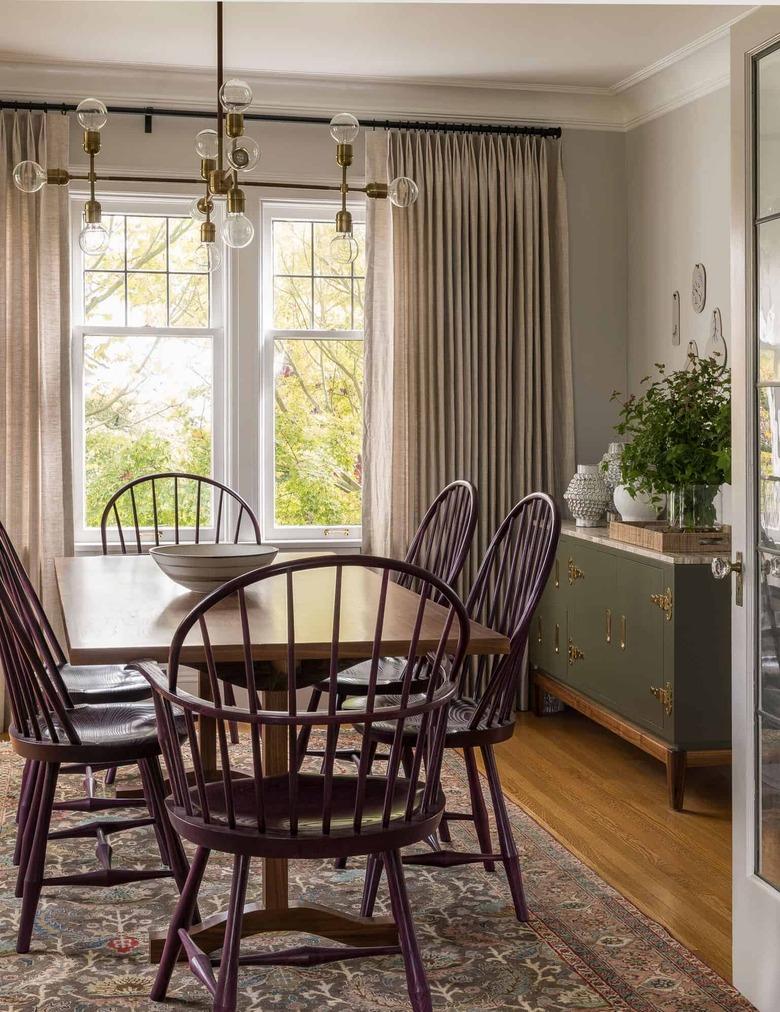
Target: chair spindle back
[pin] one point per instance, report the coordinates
(442, 541)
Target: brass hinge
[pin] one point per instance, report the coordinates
(664, 697)
(575, 654)
(574, 572)
(664, 602)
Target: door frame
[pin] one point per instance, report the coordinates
(756, 905)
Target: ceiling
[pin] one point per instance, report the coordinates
(563, 46)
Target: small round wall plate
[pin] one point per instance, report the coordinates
(699, 288)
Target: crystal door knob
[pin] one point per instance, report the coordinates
(722, 567)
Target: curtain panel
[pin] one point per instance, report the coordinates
(35, 469)
(468, 351)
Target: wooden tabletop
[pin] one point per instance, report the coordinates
(121, 608)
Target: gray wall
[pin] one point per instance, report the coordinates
(595, 168)
(678, 215)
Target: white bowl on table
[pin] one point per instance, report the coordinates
(203, 568)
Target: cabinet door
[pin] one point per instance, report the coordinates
(641, 625)
(548, 630)
(591, 576)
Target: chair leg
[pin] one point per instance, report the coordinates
(33, 878)
(110, 777)
(478, 807)
(416, 980)
(225, 999)
(444, 830)
(371, 884)
(182, 918)
(26, 792)
(175, 852)
(230, 700)
(407, 760)
(151, 804)
(305, 732)
(505, 838)
(29, 829)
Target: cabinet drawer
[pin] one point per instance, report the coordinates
(547, 648)
(591, 575)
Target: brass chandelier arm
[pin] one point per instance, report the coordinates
(61, 177)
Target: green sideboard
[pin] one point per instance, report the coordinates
(640, 642)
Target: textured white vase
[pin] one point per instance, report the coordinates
(610, 468)
(638, 507)
(587, 496)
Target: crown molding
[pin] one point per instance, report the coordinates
(683, 76)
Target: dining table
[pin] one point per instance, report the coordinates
(122, 608)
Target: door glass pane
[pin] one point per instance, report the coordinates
(768, 85)
(769, 792)
(769, 465)
(147, 407)
(769, 300)
(769, 633)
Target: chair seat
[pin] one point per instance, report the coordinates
(104, 683)
(121, 731)
(389, 678)
(460, 733)
(276, 840)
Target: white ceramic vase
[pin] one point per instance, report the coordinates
(610, 468)
(636, 508)
(587, 496)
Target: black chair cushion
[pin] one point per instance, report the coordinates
(104, 683)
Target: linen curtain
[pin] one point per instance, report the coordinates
(35, 469)
(468, 353)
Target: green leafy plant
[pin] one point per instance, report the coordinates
(678, 431)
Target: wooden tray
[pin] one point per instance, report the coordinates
(659, 537)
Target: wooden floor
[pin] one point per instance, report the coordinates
(606, 802)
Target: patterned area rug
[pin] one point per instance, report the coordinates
(585, 948)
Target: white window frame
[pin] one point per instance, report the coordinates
(130, 204)
(298, 210)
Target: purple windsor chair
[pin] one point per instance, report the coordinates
(54, 737)
(165, 496)
(110, 683)
(309, 814)
(505, 594)
(440, 546)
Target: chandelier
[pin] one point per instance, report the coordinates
(225, 154)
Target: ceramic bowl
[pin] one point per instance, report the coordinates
(203, 568)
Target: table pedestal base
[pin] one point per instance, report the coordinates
(304, 918)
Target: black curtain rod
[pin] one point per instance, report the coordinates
(380, 124)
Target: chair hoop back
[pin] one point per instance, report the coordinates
(442, 541)
(190, 491)
(437, 634)
(506, 592)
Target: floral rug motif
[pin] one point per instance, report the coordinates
(585, 947)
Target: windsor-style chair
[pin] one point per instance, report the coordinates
(506, 591)
(165, 496)
(301, 813)
(77, 684)
(54, 737)
(440, 545)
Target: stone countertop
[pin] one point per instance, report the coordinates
(600, 536)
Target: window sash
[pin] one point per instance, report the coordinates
(322, 534)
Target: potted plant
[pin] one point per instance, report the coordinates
(678, 434)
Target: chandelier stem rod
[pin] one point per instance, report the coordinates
(270, 184)
(220, 82)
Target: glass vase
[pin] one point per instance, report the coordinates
(695, 508)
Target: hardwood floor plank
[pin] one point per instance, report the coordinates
(606, 802)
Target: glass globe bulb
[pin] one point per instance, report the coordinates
(29, 177)
(403, 191)
(235, 95)
(208, 256)
(243, 154)
(92, 114)
(207, 144)
(344, 128)
(238, 231)
(195, 210)
(344, 248)
(93, 238)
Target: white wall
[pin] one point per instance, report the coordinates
(678, 204)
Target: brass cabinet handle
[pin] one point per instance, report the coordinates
(623, 632)
(664, 697)
(608, 618)
(557, 640)
(574, 572)
(664, 602)
(575, 654)
(557, 573)
(539, 629)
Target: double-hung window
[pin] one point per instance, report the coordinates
(147, 357)
(312, 363)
